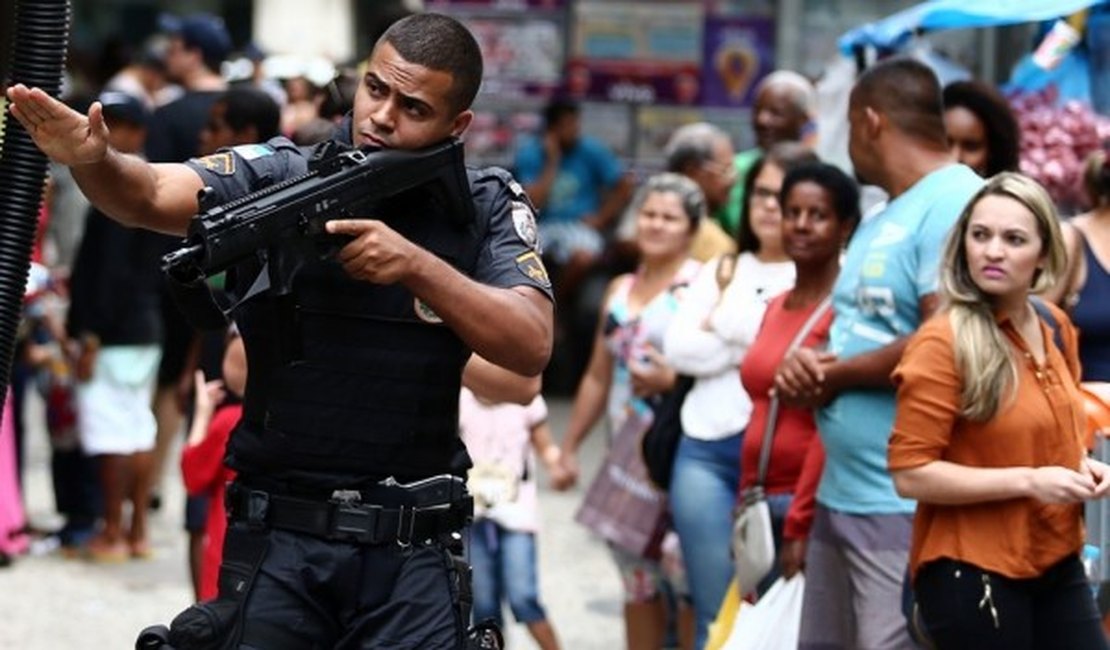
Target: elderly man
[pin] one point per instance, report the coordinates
(785, 103)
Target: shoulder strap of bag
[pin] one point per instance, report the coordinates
(1050, 319)
(773, 411)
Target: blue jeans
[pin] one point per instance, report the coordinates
(703, 492)
(504, 568)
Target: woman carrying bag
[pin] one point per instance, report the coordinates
(820, 211)
(627, 373)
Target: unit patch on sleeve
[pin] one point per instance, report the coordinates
(524, 222)
(531, 265)
(218, 163)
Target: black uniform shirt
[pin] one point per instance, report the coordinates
(508, 256)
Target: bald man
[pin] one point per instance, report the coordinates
(785, 104)
(859, 543)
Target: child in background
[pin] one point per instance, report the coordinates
(506, 514)
(202, 460)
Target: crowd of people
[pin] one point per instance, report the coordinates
(901, 384)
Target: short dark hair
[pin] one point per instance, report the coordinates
(442, 43)
(907, 91)
(245, 107)
(557, 109)
(999, 123)
(840, 186)
(784, 155)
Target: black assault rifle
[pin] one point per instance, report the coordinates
(284, 223)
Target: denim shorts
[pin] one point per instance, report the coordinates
(503, 564)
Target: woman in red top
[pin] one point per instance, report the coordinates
(820, 211)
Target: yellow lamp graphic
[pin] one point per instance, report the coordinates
(737, 64)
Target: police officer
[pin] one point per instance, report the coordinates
(348, 457)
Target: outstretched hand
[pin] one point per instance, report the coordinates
(63, 134)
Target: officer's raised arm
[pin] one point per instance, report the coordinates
(127, 188)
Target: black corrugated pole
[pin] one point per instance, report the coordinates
(38, 53)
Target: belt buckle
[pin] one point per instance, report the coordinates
(346, 497)
(350, 518)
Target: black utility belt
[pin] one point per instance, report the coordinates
(346, 518)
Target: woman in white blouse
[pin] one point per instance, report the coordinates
(707, 339)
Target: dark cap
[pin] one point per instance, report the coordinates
(122, 106)
(203, 31)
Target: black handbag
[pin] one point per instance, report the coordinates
(659, 443)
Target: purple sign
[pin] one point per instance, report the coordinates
(506, 5)
(634, 83)
(739, 51)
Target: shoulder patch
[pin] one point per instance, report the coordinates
(532, 267)
(524, 222)
(252, 151)
(222, 163)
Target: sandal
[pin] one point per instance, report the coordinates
(103, 552)
(140, 550)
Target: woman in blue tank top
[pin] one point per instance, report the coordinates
(1087, 290)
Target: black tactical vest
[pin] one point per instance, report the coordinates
(349, 378)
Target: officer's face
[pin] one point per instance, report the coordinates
(403, 105)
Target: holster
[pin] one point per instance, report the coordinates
(218, 624)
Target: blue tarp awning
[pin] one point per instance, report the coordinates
(895, 30)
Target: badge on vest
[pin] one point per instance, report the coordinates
(524, 222)
(531, 266)
(218, 163)
(425, 313)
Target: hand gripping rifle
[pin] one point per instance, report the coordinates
(283, 225)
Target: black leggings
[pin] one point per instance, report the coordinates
(1054, 610)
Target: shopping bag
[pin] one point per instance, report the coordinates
(721, 626)
(773, 622)
(753, 542)
(621, 505)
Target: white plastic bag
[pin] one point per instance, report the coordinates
(773, 622)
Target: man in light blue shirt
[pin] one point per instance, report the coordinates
(858, 547)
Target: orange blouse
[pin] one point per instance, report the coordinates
(1041, 425)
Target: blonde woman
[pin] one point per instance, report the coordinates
(988, 437)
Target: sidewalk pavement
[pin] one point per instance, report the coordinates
(52, 603)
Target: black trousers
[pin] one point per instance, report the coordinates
(1054, 610)
(309, 593)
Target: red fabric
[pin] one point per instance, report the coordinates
(204, 472)
(795, 428)
(799, 519)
